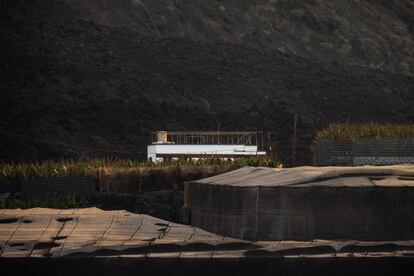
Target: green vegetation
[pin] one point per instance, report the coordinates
(46, 169)
(60, 202)
(396, 39)
(399, 27)
(348, 131)
(298, 13)
(221, 8)
(130, 176)
(327, 45)
(407, 66)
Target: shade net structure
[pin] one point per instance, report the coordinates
(41, 233)
(354, 203)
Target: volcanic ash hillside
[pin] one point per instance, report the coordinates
(93, 78)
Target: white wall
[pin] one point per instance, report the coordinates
(241, 150)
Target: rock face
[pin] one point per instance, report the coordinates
(93, 78)
(306, 203)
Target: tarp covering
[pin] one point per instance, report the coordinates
(261, 176)
(44, 233)
(364, 203)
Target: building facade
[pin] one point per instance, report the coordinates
(203, 144)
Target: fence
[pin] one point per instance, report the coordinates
(364, 151)
(83, 186)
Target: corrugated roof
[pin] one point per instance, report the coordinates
(400, 175)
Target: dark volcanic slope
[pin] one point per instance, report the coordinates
(371, 33)
(72, 87)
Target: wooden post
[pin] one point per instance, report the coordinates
(256, 140)
(274, 152)
(107, 185)
(218, 133)
(269, 144)
(294, 141)
(139, 181)
(98, 179)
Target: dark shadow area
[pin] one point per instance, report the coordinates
(64, 219)
(45, 245)
(167, 248)
(179, 266)
(375, 248)
(161, 224)
(59, 238)
(16, 244)
(292, 252)
(8, 220)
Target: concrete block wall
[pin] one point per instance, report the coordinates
(365, 151)
(333, 152)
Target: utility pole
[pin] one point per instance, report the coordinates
(218, 133)
(295, 139)
(274, 154)
(269, 144)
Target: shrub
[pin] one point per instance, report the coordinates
(338, 131)
(399, 27)
(327, 45)
(395, 39)
(130, 176)
(298, 13)
(59, 202)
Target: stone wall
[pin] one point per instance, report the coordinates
(365, 151)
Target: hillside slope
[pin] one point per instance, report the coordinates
(80, 82)
(376, 34)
